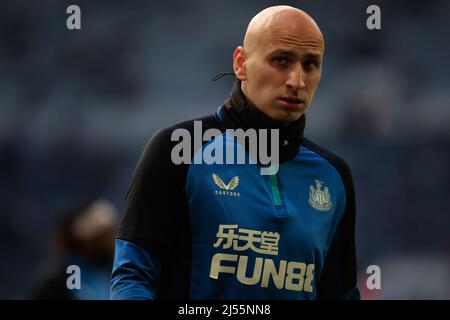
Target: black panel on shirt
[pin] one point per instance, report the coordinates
(156, 214)
(338, 275)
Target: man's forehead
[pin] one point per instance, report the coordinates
(311, 52)
(291, 43)
(288, 38)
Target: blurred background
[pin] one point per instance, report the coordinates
(77, 107)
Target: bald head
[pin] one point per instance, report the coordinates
(272, 22)
(280, 62)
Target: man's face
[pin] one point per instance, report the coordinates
(282, 72)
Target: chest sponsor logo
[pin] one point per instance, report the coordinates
(288, 275)
(226, 189)
(320, 199)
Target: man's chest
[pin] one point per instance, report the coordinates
(238, 209)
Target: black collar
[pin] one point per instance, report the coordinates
(236, 113)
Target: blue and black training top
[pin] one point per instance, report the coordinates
(224, 231)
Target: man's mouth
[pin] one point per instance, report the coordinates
(292, 101)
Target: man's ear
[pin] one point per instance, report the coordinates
(239, 63)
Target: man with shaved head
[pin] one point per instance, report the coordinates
(225, 230)
(280, 63)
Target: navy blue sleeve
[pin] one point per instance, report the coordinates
(338, 279)
(135, 273)
(150, 228)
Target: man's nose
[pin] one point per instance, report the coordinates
(296, 79)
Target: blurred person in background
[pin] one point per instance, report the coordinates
(188, 234)
(83, 237)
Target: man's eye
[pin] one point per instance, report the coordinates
(310, 64)
(280, 60)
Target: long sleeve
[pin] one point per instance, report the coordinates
(338, 280)
(151, 224)
(135, 273)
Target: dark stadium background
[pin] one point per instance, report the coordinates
(77, 107)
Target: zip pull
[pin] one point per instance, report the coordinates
(280, 210)
(275, 190)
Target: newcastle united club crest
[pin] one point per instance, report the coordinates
(320, 199)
